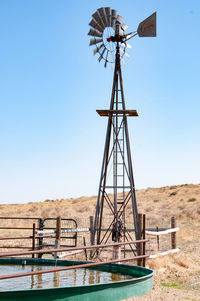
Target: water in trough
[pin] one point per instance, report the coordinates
(70, 278)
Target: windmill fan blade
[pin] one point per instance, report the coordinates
(125, 45)
(128, 36)
(119, 19)
(116, 25)
(100, 58)
(123, 61)
(147, 28)
(111, 65)
(128, 46)
(95, 33)
(117, 28)
(114, 14)
(95, 41)
(97, 18)
(124, 52)
(98, 48)
(106, 20)
(106, 61)
(103, 51)
(108, 13)
(111, 60)
(102, 13)
(101, 55)
(124, 27)
(95, 25)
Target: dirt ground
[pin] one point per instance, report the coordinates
(177, 278)
(177, 275)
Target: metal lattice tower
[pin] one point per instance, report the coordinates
(116, 187)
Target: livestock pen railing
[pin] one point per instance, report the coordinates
(15, 227)
(42, 235)
(12, 230)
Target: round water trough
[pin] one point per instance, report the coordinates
(139, 281)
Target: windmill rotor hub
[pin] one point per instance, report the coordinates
(116, 38)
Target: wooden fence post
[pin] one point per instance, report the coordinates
(139, 246)
(158, 240)
(84, 243)
(173, 234)
(40, 243)
(33, 241)
(144, 237)
(58, 235)
(116, 252)
(91, 218)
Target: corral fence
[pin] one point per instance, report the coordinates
(12, 230)
(19, 232)
(63, 233)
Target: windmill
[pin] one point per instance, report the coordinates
(116, 186)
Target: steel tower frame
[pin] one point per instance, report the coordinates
(118, 152)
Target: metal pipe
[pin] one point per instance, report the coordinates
(5, 254)
(87, 265)
(13, 217)
(15, 247)
(25, 237)
(17, 228)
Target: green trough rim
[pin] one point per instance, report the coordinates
(112, 291)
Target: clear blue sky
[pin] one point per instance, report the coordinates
(52, 140)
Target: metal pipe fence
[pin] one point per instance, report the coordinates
(51, 235)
